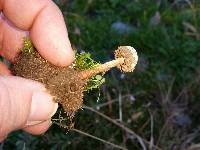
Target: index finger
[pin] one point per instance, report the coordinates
(47, 28)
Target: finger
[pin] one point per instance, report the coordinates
(2, 138)
(47, 108)
(4, 69)
(47, 28)
(39, 128)
(22, 101)
(25, 84)
(12, 39)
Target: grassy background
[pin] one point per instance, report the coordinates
(159, 101)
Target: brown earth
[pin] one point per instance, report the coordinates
(63, 83)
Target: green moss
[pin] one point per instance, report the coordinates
(83, 62)
(28, 46)
(95, 82)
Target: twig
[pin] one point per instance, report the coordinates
(193, 12)
(144, 125)
(187, 87)
(105, 104)
(110, 102)
(120, 108)
(99, 139)
(194, 147)
(108, 97)
(152, 137)
(140, 140)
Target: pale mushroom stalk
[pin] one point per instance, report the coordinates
(125, 59)
(86, 74)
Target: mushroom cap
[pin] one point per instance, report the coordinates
(130, 58)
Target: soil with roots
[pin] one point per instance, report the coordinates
(63, 83)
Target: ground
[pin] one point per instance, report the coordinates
(158, 101)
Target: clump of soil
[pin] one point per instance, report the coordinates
(67, 84)
(63, 83)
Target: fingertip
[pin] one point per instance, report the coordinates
(65, 59)
(4, 69)
(49, 35)
(21, 97)
(11, 38)
(2, 138)
(42, 108)
(56, 49)
(61, 55)
(25, 84)
(39, 128)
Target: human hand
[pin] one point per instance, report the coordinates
(25, 104)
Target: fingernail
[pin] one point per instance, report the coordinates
(32, 123)
(54, 110)
(42, 108)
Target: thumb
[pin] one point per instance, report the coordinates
(23, 102)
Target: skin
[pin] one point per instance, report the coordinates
(25, 104)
